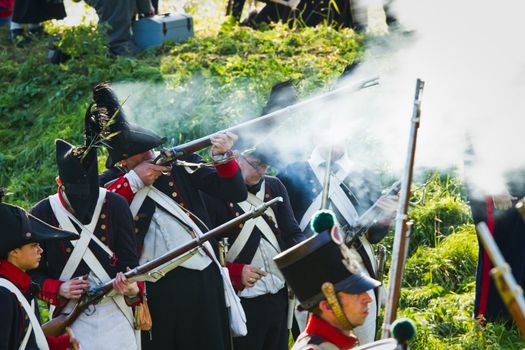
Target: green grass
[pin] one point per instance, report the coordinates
(40, 102)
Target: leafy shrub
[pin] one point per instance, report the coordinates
(439, 209)
(451, 265)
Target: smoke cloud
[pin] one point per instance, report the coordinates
(469, 56)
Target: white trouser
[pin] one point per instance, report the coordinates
(107, 328)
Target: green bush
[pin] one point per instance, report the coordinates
(446, 323)
(451, 265)
(438, 210)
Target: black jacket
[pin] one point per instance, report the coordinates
(115, 229)
(287, 230)
(185, 189)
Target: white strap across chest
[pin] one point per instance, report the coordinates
(172, 207)
(248, 227)
(336, 195)
(30, 311)
(81, 249)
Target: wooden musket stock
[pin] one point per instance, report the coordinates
(510, 291)
(57, 326)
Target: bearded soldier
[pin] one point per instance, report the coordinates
(168, 210)
(106, 248)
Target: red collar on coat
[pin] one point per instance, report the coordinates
(18, 277)
(331, 334)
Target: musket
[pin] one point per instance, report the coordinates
(369, 217)
(147, 271)
(520, 207)
(171, 154)
(381, 260)
(403, 229)
(510, 291)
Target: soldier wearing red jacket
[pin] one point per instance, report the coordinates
(168, 210)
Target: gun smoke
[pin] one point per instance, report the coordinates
(468, 56)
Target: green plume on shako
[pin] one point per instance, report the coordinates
(322, 220)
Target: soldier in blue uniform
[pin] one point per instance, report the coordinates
(353, 190)
(105, 250)
(20, 252)
(261, 286)
(508, 229)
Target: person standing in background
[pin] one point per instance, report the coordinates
(116, 16)
(33, 13)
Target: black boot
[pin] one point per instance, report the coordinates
(18, 37)
(37, 32)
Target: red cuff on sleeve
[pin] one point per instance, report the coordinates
(134, 301)
(235, 271)
(6, 13)
(58, 343)
(49, 291)
(122, 187)
(227, 169)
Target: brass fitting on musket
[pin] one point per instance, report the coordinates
(520, 207)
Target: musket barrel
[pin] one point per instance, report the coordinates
(194, 243)
(400, 235)
(200, 143)
(93, 295)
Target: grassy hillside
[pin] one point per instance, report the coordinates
(40, 102)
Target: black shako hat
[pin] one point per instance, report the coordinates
(309, 264)
(78, 172)
(282, 95)
(128, 139)
(20, 228)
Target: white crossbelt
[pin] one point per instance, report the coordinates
(267, 249)
(336, 195)
(232, 300)
(289, 3)
(171, 207)
(259, 222)
(81, 250)
(30, 311)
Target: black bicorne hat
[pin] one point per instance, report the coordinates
(317, 260)
(282, 95)
(127, 139)
(78, 172)
(263, 151)
(20, 228)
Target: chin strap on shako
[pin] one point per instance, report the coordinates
(329, 293)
